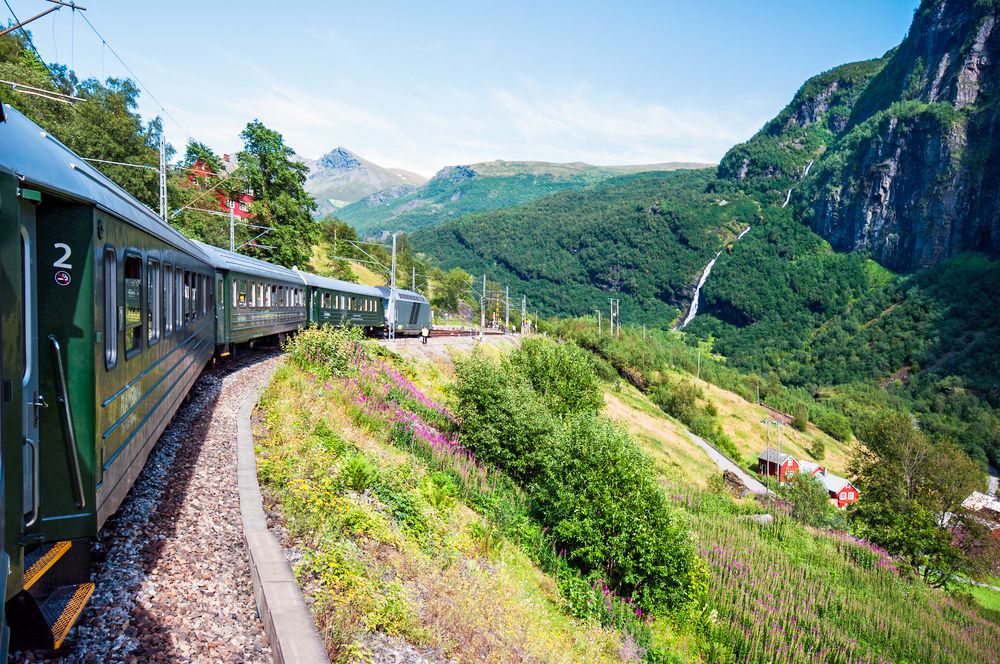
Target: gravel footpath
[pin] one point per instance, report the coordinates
(172, 577)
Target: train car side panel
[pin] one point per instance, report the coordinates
(144, 372)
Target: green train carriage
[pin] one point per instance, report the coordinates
(105, 316)
(254, 298)
(337, 302)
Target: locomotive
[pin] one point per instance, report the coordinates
(107, 317)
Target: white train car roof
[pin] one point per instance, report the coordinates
(223, 259)
(337, 284)
(403, 294)
(39, 160)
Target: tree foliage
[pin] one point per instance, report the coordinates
(280, 200)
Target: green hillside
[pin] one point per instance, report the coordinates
(459, 190)
(642, 238)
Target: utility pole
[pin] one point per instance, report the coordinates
(163, 176)
(615, 321)
(414, 279)
(599, 327)
(506, 317)
(524, 311)
(392, 291)
(232, 226)
(482, 311)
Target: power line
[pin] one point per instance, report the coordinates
(142, 85)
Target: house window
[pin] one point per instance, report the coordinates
(843, 495)
(132, 277)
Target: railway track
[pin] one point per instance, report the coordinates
(440, 332)
(172, 576)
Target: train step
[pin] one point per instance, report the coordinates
(42, 559)
(55, 590)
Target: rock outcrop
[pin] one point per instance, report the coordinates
(914, 179)
(906, 147)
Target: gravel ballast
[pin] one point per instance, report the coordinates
(172, 575)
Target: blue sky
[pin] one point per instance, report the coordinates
(420, 85)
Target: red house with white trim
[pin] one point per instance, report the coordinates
(840, 489)
(811, 468)
(202, 170)
(778, 464)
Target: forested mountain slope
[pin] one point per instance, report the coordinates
(639, 237)
(867, 193)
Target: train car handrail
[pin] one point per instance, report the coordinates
(35, 492)
(81, 500)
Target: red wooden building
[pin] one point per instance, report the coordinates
(201, 175)
(840, 489)
(777, 464)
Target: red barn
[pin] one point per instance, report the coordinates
(779, 464)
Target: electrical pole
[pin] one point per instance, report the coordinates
(524, 311)
(232, 226)
(506, 318)
(392, 291)
(414, 279)
(163, 176)
(599, 330)
(482, 311)
(615, 321)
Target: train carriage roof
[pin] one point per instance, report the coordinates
(223, 259)
(337, 284)
(403, 294)
(39, 160)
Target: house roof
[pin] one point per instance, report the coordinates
(835, 483)
(981, 501)
(774, 456)
(810, 466)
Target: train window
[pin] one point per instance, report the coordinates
(202, 295)
(168, 299)
(187, 297)
(132, 278)
(242, 298)
(110, 307)
(178, 297)
(154, 315)
(324, 301)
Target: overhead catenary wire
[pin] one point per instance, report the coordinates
(143, 86)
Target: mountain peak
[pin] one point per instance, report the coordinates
(340, 159)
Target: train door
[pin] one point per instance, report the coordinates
(34, 401)
(64, 354)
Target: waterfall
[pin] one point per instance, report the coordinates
(693, 311)
(787, 198)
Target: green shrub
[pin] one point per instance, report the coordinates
(326, 351)
(504, 422)
(800, 419)
(561, 373)
(678, 399)
(605, 508)
(358, 473)
(833, 423)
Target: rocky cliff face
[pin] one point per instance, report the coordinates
(914, 178)
(906, 148)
